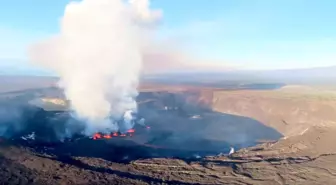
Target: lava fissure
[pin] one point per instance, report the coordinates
(129, 133)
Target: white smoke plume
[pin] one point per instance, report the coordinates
(98, 56)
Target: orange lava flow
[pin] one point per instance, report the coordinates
(96, 136)
(107, 136)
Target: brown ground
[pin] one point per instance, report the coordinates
(290, 110)
(306, 159)
(306, 155)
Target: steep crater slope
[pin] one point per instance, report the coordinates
(290, 113)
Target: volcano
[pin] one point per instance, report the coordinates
(166, 125)
(35, 147)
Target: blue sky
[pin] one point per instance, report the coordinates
(256, 34)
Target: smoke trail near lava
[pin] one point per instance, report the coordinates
(97, 55)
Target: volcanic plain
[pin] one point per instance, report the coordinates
(281, 136)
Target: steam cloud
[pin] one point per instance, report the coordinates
(98, 56)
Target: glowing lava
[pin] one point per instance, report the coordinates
(107, 136)
(97, 136)
(129, 133)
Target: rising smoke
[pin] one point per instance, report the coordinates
(98, 56)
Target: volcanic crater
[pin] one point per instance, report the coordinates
(184, 140)
(177, 125)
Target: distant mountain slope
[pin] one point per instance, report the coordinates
(21, 67)
(326, 75)
(19, 83)
(301, 75)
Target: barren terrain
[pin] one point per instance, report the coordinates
(292, 161)
(290, 110)
(288, 133)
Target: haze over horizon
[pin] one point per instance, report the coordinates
(238, 34)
